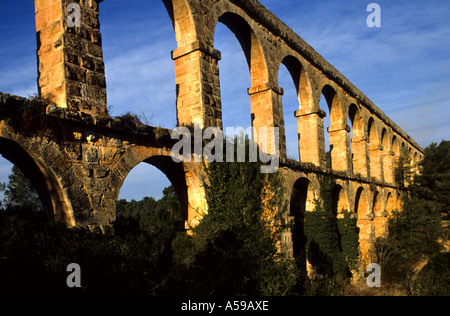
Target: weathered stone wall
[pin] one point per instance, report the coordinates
(70, 59)
(79, 165)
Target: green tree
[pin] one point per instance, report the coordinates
(417, 228)
(20, 193)
(233, 251)
(414, 233)
(433, 181)
(136, 260)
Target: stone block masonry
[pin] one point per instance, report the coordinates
(71, 72)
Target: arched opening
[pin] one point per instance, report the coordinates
(141, 190)
(325, 106)
(145, 180)
(350, 143)
(358, 141)
(250, 46)
(361, 205)
(302, 200)
(380, 220)
(234, 71)
(264, 111)
(390, 204)
(377, 207)
(372, 135)
(388, 170)
(340, 201)
(395, 148)
(415, 163)
(139, 70)
(50, 193)
(374, 150)
(336, 135)
(296, 97)
(364, 223)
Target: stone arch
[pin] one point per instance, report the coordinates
(338, 132)
(403, 147)
(364, 223)
(53, 196)
(415, 161)
(387, 157)
(359, 140)
(301, 81)
(303, 90)
(395, 146)
(340, 200)
(380, 220)
(390, 204)
(131, 70)
(372, 133)
(375, 155)
(385, 139)
(377, 206)
(250, 44)
(265, 98)
(302, 200)
(361, 202)
(183, 22)
(334, 105)
(415, 158)
(185, 178)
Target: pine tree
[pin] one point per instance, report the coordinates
(20, 193)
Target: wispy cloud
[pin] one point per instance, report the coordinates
(143, 79)
(404, 66)
(140, 73)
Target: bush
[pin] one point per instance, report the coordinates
(233, 251)
(434, 279)
(332, 244)
(136, 261)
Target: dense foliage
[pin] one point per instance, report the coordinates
(19, 192)
(433, 182)
(332, 242)
(34, 252)
(417, 232)
(233, 251)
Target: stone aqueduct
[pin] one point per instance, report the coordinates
(78, 157)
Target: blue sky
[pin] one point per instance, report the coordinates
(403, 67)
